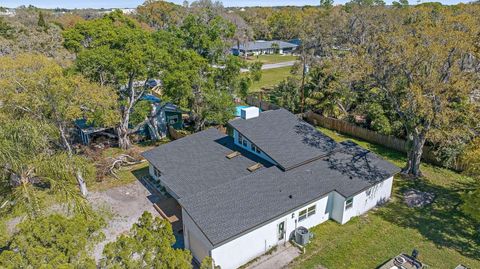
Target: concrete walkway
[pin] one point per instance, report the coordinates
(279, 259)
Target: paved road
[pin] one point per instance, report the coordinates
(273, 66)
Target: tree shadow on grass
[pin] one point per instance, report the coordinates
(442, 222)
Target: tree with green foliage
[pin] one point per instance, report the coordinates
(160, 15)
(326, 4)
(30, 167)
(326, 92)
(365, 3)
(147, 245)
(37, 88)
(188, 81)
(208, 263)
(400, 3)
(6, 30)
(207, 35)
(53, 241)
(426, 85)
(50, 93)
(285, 24)
(287, 94)
(116, 51)
(41, 21)
(471, 161)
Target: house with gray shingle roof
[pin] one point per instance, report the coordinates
(264, 47)
(243, 193)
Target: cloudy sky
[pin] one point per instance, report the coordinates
(134, 3)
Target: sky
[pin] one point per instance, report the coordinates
(134, 3)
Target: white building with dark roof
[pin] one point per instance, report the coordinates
(244, 193)
(259, 47)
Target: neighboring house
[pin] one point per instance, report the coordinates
(244, 193)
(164, 115)
(86, 131)
(264, 47)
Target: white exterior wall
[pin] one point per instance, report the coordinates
(249, 148)
(255, 243)
(151, 171)
(191, 232)
(337, 202)
(362, 202)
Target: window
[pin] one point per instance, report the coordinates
(311, 211)
(173, 119)
(349, 203)
(255, 149)
(241, 139)
(157, 172)
(306, 213)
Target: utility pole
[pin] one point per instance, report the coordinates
(304, 72)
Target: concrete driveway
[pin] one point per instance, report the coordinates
(278, 259)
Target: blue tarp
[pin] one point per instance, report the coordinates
(151, 98)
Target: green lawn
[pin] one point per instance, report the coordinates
(271, 78)
(443, 235)
(272, 58)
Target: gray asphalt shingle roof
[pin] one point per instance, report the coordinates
(263, 45)
(238, 206)
(284, 137)
(225, 199)
(198, 162)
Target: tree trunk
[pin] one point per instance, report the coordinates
(82, 184)
(416, 142)
(123, 139)
(122, 131)
(65, 142)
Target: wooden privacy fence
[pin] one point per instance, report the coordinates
(356, 131)
(373, 137)
(350, 129)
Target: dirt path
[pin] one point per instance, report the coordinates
(127, 203)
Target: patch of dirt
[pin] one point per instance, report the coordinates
(416, 198)
(127, 203)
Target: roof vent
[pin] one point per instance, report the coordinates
(233, 155)
(249, 112)
(255, 167)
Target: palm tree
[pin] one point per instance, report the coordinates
(30, 167)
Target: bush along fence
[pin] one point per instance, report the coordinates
(390, 142)
(350, 129)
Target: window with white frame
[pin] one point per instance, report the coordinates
(307, 212)
(242, 140)
(349, 203)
